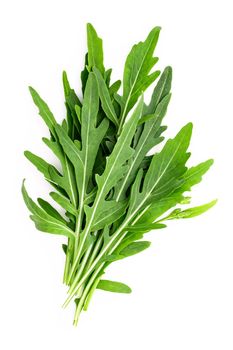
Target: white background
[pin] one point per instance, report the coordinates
(182, 286)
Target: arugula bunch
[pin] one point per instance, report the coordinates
(113, 186)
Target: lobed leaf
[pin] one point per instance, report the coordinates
(164, 173)
(44, 110)
(105, 98)
(43, 221)
(50, 210)
(64, 202)
(39, 163)
(138, 64)
(148, 134)
(95, 49)
(110, 212)
(191, 212)
(115, 166)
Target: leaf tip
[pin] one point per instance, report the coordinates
(26, 153)
(31, 90)
(168, 70)
(156, 29)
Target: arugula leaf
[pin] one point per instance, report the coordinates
(138, 65)
(39, 163)
(63, 202)
(134, 248)
(191, 212)
(194, 175)
(72, 102)
(161, 90)
(163, 174)
(150, 132)
(115, 167)
(44, 110)
(112, 286)
(110, 212)
(50, 210)
(145, 227)
(83, 160)
(105, 98)
(95, 49)
(44, 221)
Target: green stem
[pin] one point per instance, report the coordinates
(98, 244)
(90, 294)
(88, 261)
(69, 256)
(122, 119)
(117, 236)
(84, 261)
(75, 287)
(84, 295)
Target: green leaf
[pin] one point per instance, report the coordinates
(49, 209)
(43, 221)
(149, 136)
(107, 76)
(105, 98)
(190, 178)
(134, 248)
(48, 170)
(161, 90)
(159, 207)
(83, 160)
(191, 212)
(56, 148)
(163, 174)
(95, 49)
(72, 101)
(51, 227)
(39, 163)
(145, 227)
(115, 166)
(146, 118)
(114, 88)
(112, 286)
(70, 95)
(67, 181)
(64, 202)
(129, 238)
(110, 212)
(138, 65)
(44, 110)
(194, 175)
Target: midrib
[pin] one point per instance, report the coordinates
(70, 182)
(134, 83)
(99, 197)
(130, 169)
(77, 231)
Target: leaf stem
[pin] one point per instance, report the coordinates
(69, 255)
(85, 293)
(76, 284)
